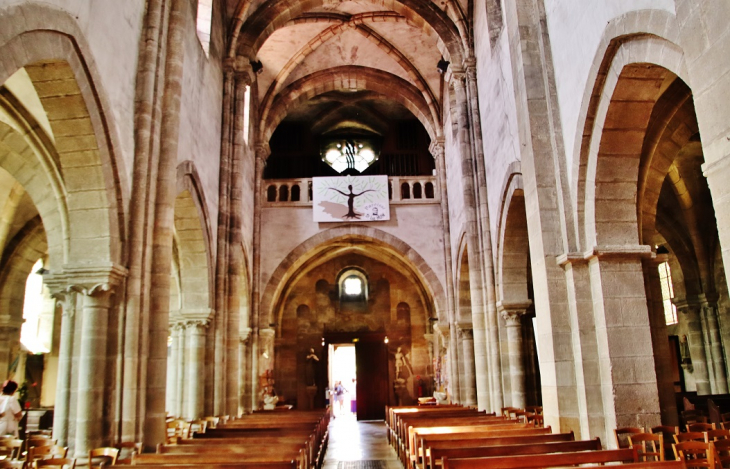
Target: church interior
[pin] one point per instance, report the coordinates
(551, 208)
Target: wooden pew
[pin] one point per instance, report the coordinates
(236, 465)
(276, 454)
(437, 453)
(512, 429)
(543, 460)
(424, 443)
(638, 465)
(400, 420)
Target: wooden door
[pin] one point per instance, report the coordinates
(372, 379)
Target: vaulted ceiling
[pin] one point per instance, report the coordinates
(360, 63)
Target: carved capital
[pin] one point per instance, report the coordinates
(512, 312)
(196, 324)
(245, 335)
(437, 149)
(87, 280)
(465, 331)
(262, 152)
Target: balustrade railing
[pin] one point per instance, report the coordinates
(401, 190)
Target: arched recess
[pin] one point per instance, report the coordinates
(463, 286)
(84, 133)
(513, 245)
(331, 243)
(348, 77)
(249, 35)
(609, 182)
(192, 238)
(660, 28)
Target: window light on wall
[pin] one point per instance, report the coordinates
(665, 277)
(205, 16)
(353, 286)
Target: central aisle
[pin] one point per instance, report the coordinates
(365, 442)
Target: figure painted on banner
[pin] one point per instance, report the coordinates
(10, 411)
(311, 369)
(351, 201)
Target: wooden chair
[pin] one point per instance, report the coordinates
(650, 446)
(11, 464)
(508, 411)
(700, 427)
(722, 453)
(59, 463)
(11, 448)
(127, 450)
(689, 436)
(535, 409)
(695, 454)
(196, 426)
(715, 435)
(621, 435)
(104, 456)
(176, 428)
(667, 432)
(693, 416)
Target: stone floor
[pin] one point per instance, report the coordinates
(353, 441)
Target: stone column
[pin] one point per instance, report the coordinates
(175, 369)
(9, 335)
(628, 377)
(194, 363)
(243, 365)
(67, 300)
(691, 307)
(467, 343)
(660, 344)
(454, 360)
(474, 251)
(512, 314)
(92, 373)
(709, 310)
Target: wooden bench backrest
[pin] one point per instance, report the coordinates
(543, 460)
(245, 445)
(511, 450)
(236, 465)
(273, 454)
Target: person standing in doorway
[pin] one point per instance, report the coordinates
(10, 410)
(339, 393)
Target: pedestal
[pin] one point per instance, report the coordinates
(311, 392)
(400, 390)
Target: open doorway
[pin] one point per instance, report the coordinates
(360, 362)
(342, 379)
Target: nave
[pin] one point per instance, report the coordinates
(361, 444)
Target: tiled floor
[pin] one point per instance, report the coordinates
(351, 440)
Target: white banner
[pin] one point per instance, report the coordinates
(350, 198)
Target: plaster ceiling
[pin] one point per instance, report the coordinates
(317, 36)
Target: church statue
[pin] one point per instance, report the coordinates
(311, 368)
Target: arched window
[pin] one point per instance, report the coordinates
(284, 193)
(205, 17)
(665, 277)
(295, 193)
(36, 333)
(417, 190)
(353, 286)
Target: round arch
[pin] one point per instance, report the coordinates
(87, 159)
(350, 76)
(193, 242)
(327, 244)
(609, 174)
(513, 244)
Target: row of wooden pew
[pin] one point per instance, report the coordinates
(455, 437)
(268, 439)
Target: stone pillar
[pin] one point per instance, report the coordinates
(512, 314)
(467, 344)
(9, 335)
(92, 372)
(709, 310)
(243, 364)
(476, 284)
(628, 377)
(67, 300)
(660, 342)
(194, 364)
(175, 369)
(691, 308)
(454, 360)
